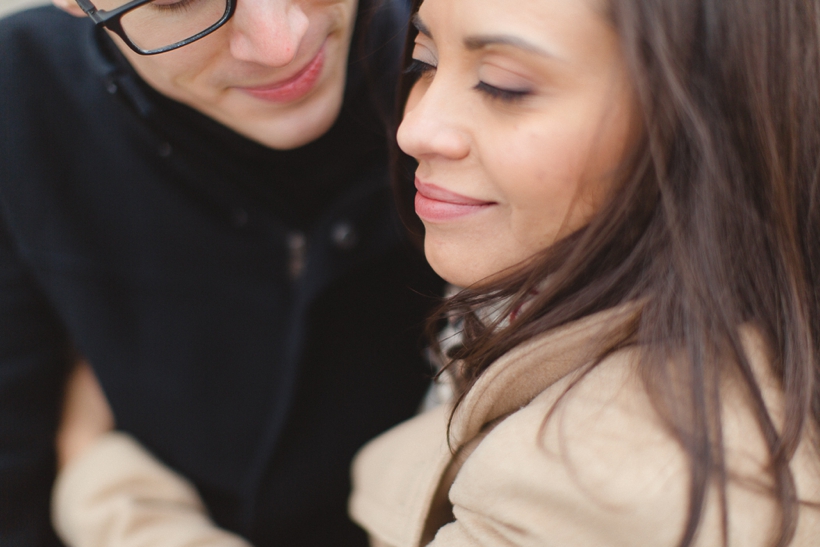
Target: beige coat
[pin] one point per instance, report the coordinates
(602, 471)
(116, 494)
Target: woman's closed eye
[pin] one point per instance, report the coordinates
(419, 68)
(502, 94)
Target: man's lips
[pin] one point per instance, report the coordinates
(435, 204)
(293, 88)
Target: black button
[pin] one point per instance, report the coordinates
(344, 236)
(165, 150)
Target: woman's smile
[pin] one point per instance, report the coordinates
(435, 204)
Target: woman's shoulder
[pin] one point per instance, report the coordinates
(596, 465)
(592, 466)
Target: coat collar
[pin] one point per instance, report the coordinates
(399, 477)
(516, 378)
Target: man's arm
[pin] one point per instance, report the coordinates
(111, 492)
(34, 350)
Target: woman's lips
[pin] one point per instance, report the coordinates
(435, 204)
(295, 87)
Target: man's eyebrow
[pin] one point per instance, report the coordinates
(479, 42)
(420, 26)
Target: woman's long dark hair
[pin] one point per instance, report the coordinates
(715, 224)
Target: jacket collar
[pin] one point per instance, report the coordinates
(401, 478)
(516, 378)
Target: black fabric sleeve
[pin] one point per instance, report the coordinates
(33, 357)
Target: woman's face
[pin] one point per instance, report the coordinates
(522, 113)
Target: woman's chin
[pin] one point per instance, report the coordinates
(460, 270)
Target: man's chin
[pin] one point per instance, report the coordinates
(286, 128)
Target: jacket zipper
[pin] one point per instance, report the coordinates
(297, 249)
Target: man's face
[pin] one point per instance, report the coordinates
(275, 72)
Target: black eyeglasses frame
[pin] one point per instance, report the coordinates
(111, 21)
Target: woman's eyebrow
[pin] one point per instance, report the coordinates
(479, 42)
(420, 26)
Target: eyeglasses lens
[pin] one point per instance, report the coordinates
(164, 23)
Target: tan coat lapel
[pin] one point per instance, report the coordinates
(515, 379)
(397, 475)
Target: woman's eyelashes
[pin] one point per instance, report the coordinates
(505, 95)
(418, 68)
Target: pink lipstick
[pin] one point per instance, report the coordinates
(435, 204)
(293, 88)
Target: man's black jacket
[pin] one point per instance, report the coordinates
(253, 316)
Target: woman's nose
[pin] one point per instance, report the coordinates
(267, 32)
(431, 125)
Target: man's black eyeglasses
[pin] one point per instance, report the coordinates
(156, 26)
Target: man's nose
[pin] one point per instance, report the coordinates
(267, 32)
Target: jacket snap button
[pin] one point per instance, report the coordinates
(343, 236)
(165, 150)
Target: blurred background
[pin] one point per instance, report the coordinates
(10, 6)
